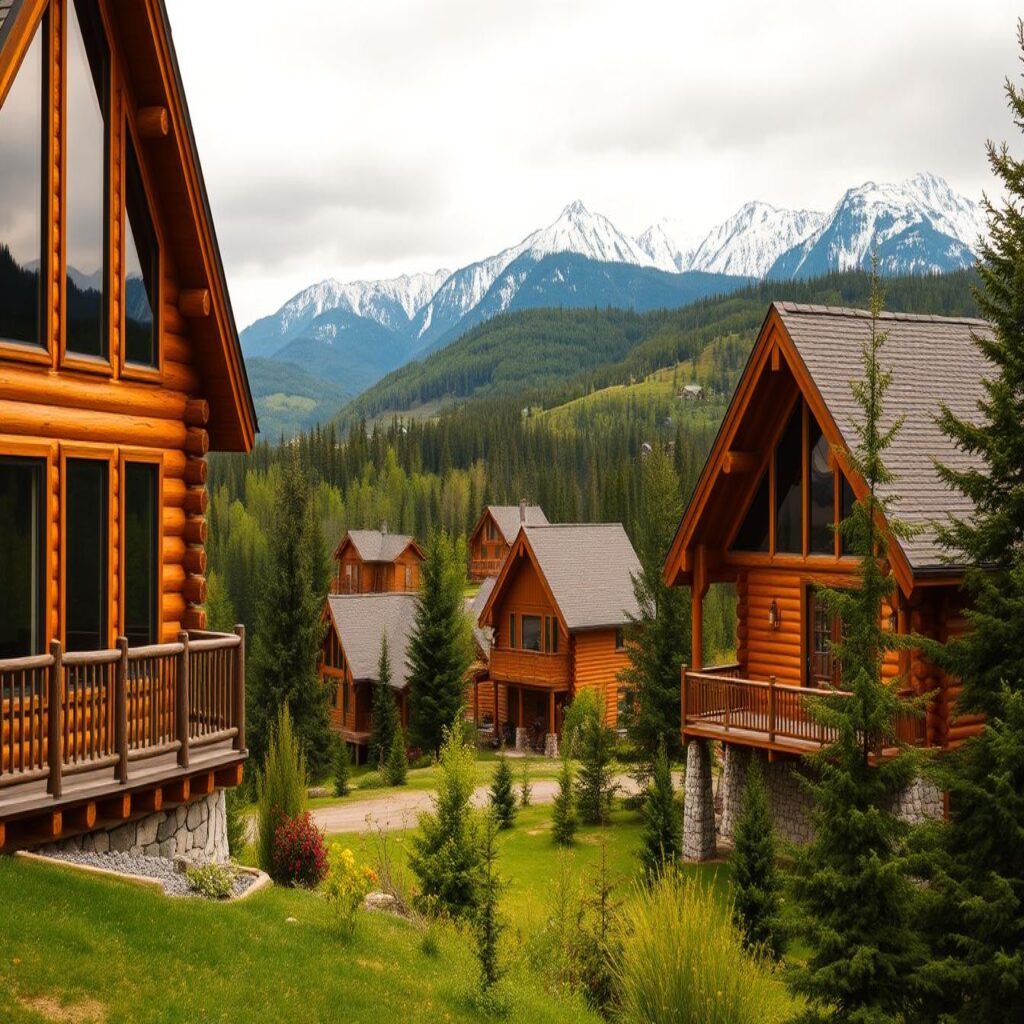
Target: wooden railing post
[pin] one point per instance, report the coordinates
(181, 710)
(771, 709)
(55, 721)
(683, 697)
(238, 689)
(121, 710)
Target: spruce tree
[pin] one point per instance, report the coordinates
(658, 639)
(289, 628)
(563, 812)
(757, 887)
(662, 840)
(396, 767)
(487, 924)
(854, 894)
(525, 788)
(440, 649)
(385, 720)
(975, 914)
(594, 744)
(342, 769)
(502, 796)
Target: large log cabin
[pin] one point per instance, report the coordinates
(762, 514)
(376, 562)
(491, 539)
(120, 368)
(557, 612)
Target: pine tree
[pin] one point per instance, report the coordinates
(594, 744)
(503, 799)
(487, 922)
(525, 788)
(342, 769)
(289, 627)
(658, 640)
(662, 840)
(563, 812)
(385, 720)
(975, 916)
(855, 896)
(441, 645)
(396, 767)
(756, 883)
(220, 614)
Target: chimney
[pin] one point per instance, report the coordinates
(384, 527)
(522, 511)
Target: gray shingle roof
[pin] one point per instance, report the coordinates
(362, 620)
(376, 546)
(474, 608)
(933, 360)
(590, 569)
(508, 519)
(8, 8)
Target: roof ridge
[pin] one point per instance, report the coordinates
(813, 309)
(560, 526)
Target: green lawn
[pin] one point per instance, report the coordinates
(74, 948)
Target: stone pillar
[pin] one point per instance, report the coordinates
(551, 745)
(732, 785)
(522, 739)
(698, 804)
(921, 801)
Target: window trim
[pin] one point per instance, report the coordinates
(154, 457)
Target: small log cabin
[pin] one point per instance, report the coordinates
(356, 626)
(762, 514)
(377, 562)
(495, 530)
(557, 612)
(120, 367)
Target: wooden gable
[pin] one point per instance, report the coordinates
(520, 588)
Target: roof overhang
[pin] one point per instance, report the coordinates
(521, 548)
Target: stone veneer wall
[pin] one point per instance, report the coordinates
(196, 831)
(698, 804)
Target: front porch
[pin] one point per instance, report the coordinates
(526, 716)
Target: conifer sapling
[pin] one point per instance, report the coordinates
(502, 796)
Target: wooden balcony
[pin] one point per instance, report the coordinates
(718, 704)
(530, 667)
(481, 568)
(79, 730)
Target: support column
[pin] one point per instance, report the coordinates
(698, 804)
(551, 739)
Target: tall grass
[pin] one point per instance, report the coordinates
(683, 962)
(280, 788)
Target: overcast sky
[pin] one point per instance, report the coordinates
(367, 138)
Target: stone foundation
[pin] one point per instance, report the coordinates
(522, 740)
(196, 831)
(698, 804)
(551, 745)
(789, 800)
(921, 801)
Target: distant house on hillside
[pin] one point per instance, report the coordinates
(691, 393)
(557, 612)
(356, 626)
(494, 533)
(762, 517)
(376, 562)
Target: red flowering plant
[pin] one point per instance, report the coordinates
(299, 856)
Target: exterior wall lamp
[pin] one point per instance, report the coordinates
(774, 619)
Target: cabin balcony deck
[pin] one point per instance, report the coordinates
(93, 737)
(530, 667)
(718, 704)
(482, 568)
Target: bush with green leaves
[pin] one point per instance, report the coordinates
(662, 843)
(396, 767)
(385, 718)
(563, 812)
(342, 769)
(211, 881)
(236, 820)
(280, 788)
(371, 780)
(502, 796)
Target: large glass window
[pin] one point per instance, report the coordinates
(821, 498)
(789, 528)
(846, 503)
(753, 533)
(141, 269)
(21, 201)
(85, 554)
(140, 554)
(86, 211)
(531, 633)
(21, 557)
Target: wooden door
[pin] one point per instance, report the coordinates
(823, 631)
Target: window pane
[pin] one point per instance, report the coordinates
(141, 269)
(511, 631)
(753, 534)
(820, 492)
(846, 502)
(140, 561)
(21, 557)
(85, 561)
(789, 532)
(531, 632)
(21, 200)
(86, 181)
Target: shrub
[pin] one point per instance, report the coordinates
(563, 815)
(594, 744)
(372, 780)
(755, 879)
(236, 821)
(525, 788)
(663, 829)
(417, 759)
(503, 799)
(211, 881)
(682, 962)
(280, 788)
(346, 886)
(342, 769)
(299, 856)
(396, 768)
(487, 925)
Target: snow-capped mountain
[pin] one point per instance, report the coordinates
(669, 243)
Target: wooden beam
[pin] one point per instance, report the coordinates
(3, 835)
(194, 303)
(153, 122)
(231, 776)
(81, 819)
(117, 808)
(150, 800)
(776, 359)
(178, 792)
(202, 785)
(48, 825)
(740, 462)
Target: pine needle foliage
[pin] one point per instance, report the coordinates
(525, 786)
(342, 769)
(502, 795)
(385, 720)
(563, 813)
(487, 923)
(281, 787)
(662, 840)
(590, 740)
(396, 767)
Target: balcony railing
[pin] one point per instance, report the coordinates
(719, 704)
(480, 568)
(64, 713)
(530, 667)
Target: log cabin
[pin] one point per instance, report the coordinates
(349, 660)
(377, 562)
(762, 513)
(557, 613)
(120, 368)
(495, 530)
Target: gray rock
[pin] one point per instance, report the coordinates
(123, 838)
(148, 828)
(167, 848)
(101, 841)
(195, 816)
(199, 836)
(180, 814)
(167, 827)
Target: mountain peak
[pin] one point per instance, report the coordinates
(575, 209)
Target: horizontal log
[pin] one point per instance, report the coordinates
(180, 377)
(740, 462)
(172, 606)
(197, 412)
(176, 346)
(194, 618)
(151, 800)
(178, 792)
(153, 122)
(174, 578)
(81, 819)
(195, 561)
(196, 501)
(196, 471)
(174, 523)
(231, 776)
(194, 303)
(194, 590)
(71, 424)
(197, 441)
(202, 785)
(196, 530)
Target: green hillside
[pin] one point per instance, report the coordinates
(288, 398)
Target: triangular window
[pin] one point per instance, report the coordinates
(141, 269)
(753, 534)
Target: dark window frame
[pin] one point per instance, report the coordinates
(40, 469)
(103, 462)
(153, 466)
(132, 177)
(539, 619)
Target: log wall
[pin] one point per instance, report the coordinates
(596, 666)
